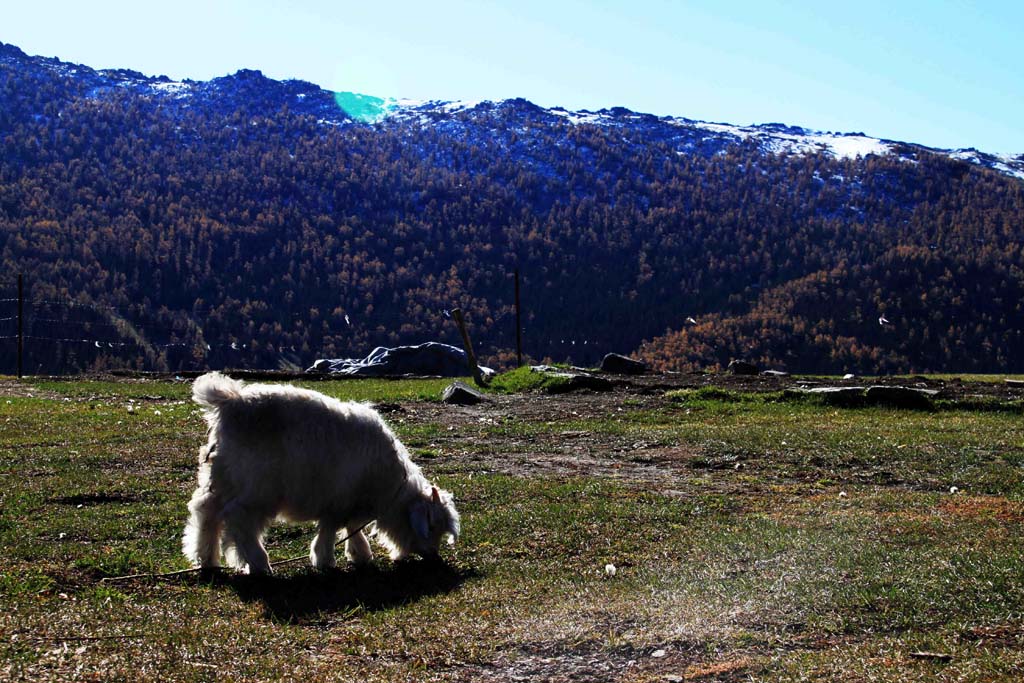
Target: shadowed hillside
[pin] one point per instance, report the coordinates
(912, 310)
(247, 222)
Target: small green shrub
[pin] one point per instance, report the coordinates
(525, 379)
(717, 395)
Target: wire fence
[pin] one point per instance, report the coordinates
(64, 336)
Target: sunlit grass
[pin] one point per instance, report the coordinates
(835, 552)
(347, 389)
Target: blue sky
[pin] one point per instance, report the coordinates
(945, 74)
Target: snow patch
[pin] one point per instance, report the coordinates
(852, 146)
(171, 87)
(736, 131)
(582, 117)
(460, 105)
(1004, 163)
(838, 145)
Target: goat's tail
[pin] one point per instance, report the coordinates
(214, 389)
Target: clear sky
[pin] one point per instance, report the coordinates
(942, 73)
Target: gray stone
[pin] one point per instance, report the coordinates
(461, 394)
(556, 369)
(844, 397)
(775, 373)
(322, 366)
(742, 367)
(431, 358)
(622, 365)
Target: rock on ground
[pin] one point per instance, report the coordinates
(460, 393)
(622, 365)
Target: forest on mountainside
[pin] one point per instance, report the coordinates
(188, 237)
(912, 310)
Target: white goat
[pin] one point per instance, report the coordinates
(295, 454)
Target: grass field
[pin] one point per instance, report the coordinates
(753, 537)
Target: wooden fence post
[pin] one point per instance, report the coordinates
(21, 326)
(474, 368)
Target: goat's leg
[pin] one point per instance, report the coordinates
(244, 532)
(357, 548)
(321, 552)
(201, 540)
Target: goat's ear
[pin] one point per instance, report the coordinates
(435, 495)
(418, 519)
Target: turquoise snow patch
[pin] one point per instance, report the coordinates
(364, 108)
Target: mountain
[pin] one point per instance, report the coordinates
(245, 221)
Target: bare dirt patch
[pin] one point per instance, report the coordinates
(501, 438)
(995, 507)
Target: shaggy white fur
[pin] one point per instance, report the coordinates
(295, 454)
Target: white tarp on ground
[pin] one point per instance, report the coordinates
(431, 358)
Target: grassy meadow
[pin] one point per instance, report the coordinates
(687, 535)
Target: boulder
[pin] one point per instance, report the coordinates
(461, 394)
(843, 397)
(322, 366)
(431, 358)
(622, 365)
(573, 380)
(775, 373)
(742, 367)
(554, 368)
(854, 397)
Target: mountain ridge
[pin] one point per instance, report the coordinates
(781, 136)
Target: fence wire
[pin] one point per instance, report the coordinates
(66, 335)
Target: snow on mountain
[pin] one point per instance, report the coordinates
(251, 91)
(1004, 163)
(179, 88)
(773, 138)
(799, 140)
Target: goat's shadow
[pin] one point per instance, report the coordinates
(296, 598)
